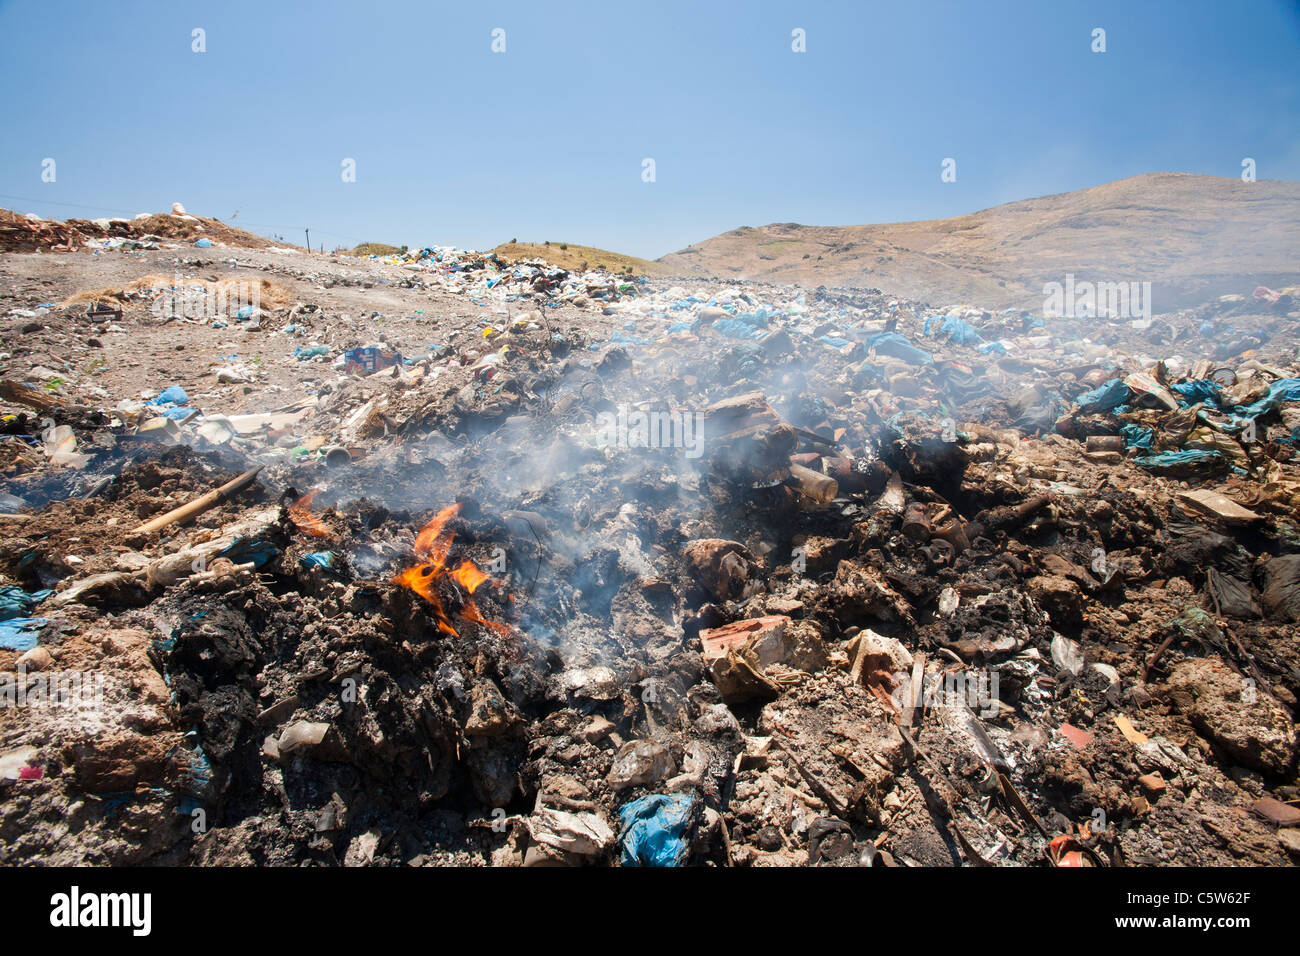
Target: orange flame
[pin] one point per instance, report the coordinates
(432, 545)
(469, 575)
(302, 518)
(433, 542)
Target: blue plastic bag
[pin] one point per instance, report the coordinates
(172, 395)
(1135, 436)
(891, 343)
(656, 829)
(15, 602)
(1104, 398)
(21, 633)
(1204, 390)
(956, 328)
(746, 325)
(622, 338)
(244, 550)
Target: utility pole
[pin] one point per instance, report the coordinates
(308, 231)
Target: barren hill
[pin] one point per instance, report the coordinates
(1192, 236)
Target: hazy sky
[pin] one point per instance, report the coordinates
(456, 144)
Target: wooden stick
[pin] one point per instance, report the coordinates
(199, 505)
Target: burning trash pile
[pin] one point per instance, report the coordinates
(635, 573)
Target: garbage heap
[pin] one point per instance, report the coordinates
(726, 574)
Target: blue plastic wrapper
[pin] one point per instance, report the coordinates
(1201, 390)
(896, 345)
(1283, 390)
(956, 328)
(21, 633)
(1135, 436)
(244, 550)
(622, 338)
(172, 395)
(318, 559)
(1171, 460)
(15, 602)
(204, 243)
(746, 325)
(370, 359)
(655, 829)
(1104, 398)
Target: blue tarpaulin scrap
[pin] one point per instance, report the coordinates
(21, 633)
(1106, 397)
(655, 830)
(15, 602)
(891, 343)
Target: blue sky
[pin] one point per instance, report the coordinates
(456, 144)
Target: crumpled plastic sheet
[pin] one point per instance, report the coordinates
(1169, 459)
(956, 328)
(21, 633)
(898, 346)
(15, 602)
(172, 395)
(1201, 390)
(1283, 390)
(746, 325)
(622, 338)
(655, 829)
(244, 550)
(1105, 397)
(1136, 436)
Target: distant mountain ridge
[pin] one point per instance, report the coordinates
(1193, 237)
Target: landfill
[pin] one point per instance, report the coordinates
(439, 559)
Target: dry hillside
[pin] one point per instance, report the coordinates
(1192, 236)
